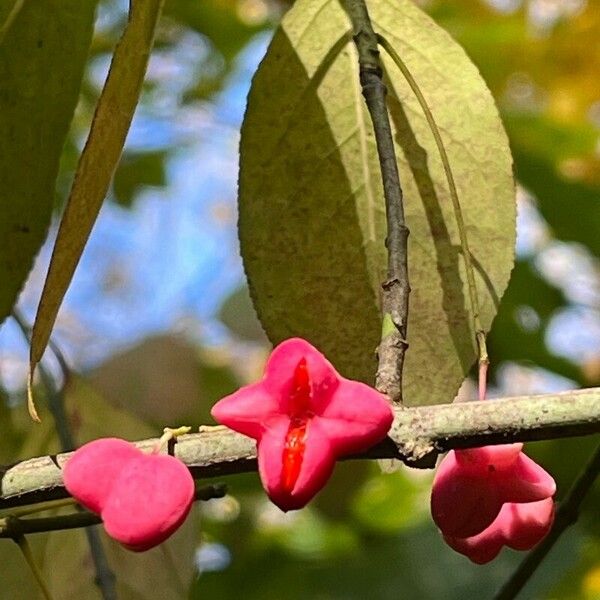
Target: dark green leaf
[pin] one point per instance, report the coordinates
(513, 338)
(97, 164)
(136, 171)
(43, 49)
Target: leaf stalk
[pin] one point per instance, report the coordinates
(480, 334)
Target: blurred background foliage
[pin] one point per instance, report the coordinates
(158, 325)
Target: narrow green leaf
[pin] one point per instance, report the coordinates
(97, 164)
(312, 217)
(43, 49)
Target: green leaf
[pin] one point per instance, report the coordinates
(512, 339)
(43, 49)
(136, 171)
(312, 217)
(97, 163)
(238, 314)
(165, 571)
(90, 417)
(562, 202)
(393, 502)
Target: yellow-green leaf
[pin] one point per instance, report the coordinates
(163, 572)
(43, 49)
(312, 216)
(98, 161)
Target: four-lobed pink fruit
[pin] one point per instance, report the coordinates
(304, 415)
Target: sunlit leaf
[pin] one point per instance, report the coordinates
(97, 163)
(43, 48)
(312, 219)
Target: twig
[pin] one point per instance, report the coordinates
(460, 223)
(11, 526)
(25, 548)
(566, 515)
(417, 435)
(38, 508)
(396, 288)
(105, 578)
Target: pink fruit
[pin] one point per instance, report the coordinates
(518, 526)
(489, 497)
(304, 415)
(92, 470)
(471, 486)
(142, 498)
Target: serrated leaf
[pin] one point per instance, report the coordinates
(98, 161)
(312, 217)
(43, 49)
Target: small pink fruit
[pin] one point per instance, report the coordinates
(518, 526)
(304, 415)
(92, 470)
(142, 498)
(486, 498)
(471, 486)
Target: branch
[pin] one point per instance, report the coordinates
(14, 527)
(105, 578)
(396, 289)
(417, 435)
(566, 515)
